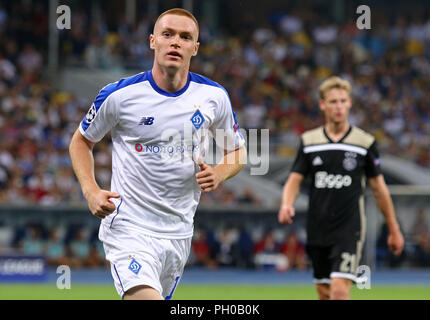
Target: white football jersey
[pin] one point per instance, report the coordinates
(157, 137)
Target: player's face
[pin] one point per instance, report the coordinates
(174, 41)
(336, 105)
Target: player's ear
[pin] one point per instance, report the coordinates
(151, 42)
(321, 104)
(196, 48)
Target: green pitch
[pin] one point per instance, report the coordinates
(208, 292)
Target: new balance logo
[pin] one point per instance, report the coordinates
(317, 161)
(147, 121)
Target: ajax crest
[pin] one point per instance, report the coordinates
(350, 161)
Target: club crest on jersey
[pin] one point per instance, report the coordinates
(197, 119)
(147, 121)
(350, 161)
(134, 266)
(91, 114)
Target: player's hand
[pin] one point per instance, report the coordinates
(395, 242)
(285, 214)
(207, 178)
(99, 203)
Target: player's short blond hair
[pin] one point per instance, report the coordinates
(179, 12)
(333, 83)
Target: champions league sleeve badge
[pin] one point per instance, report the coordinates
(91, 114)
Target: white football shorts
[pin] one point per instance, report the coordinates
(138, 259)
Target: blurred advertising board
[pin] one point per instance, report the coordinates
(19, 268)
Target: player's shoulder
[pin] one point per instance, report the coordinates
(360, 138)
(209, 83)
(123, 83)
(314, 136)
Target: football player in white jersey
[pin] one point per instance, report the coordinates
(158, 120)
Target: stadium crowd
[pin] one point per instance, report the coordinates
(270, 68)
(271, 72)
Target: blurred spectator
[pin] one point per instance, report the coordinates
(226, 239)
(222, 195)
(82, 254)
(33, 243)
(267, 254)
(421, 234)
(55, 250)
(244, 248)
(6, 237)
(254, 112)
(30, 60)
(249, 198)
(267, 244)
(294, 251)
(201, 250)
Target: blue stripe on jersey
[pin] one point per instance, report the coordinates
(203, 80)
(111, 88)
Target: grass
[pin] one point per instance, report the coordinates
(207, 292)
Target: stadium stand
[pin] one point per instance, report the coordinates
(270, 68)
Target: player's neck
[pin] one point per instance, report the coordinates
(169, 80)
(336, 131)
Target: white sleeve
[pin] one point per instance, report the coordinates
(102, 116)
(225, 126)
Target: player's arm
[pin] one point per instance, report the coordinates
(210, 177)
(291, 189)
(289, 196)
(385, 204)
(81, 154)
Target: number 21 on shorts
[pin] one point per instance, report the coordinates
(348, 263)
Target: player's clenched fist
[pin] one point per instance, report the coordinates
(285, 214)
(207, 178)
(99, 203)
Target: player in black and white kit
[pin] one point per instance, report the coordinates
(338, 158)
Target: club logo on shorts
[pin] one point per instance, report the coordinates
(134, 266)
(197, 119)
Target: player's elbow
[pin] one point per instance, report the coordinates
(78, 143)
(379, 187)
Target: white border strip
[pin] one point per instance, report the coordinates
(335, 146)
(322, 281)
(343, 275)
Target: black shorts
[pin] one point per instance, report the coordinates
(340, 260)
